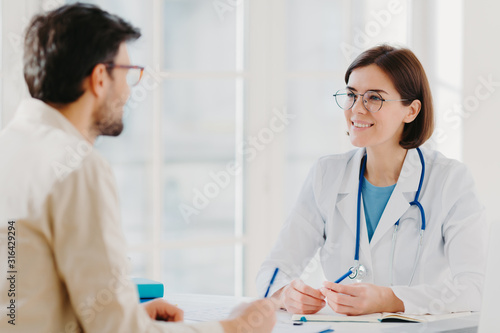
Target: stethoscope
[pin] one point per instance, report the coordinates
(358, 271)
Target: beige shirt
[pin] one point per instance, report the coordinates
(70, 270)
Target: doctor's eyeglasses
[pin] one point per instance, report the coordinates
(372, 100)
(134, 74)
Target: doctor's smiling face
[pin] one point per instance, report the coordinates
(385, 126)
(401, 112)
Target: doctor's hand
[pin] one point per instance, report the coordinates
(360, 298)
(298, 297)
(158, 309)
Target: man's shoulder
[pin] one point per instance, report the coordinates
(35, 160)
(40, 138)
(80, 158)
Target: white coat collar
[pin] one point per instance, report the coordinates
(398, 204)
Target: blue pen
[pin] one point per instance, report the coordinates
(340, 279)
(272, 281)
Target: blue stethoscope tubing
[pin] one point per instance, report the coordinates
(355, 270)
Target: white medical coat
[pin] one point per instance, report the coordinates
(450, 272)
(72, 269)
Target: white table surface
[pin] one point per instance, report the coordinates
(213, 308)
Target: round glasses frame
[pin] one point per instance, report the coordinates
(373, 104)
(135, 80)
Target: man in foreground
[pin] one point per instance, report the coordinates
(61, 243)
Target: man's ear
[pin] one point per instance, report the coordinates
(414, 110)
(97, 80)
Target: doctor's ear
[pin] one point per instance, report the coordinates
(413, 111)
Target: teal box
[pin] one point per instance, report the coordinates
(148, 288)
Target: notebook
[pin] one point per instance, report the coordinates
(377, 317)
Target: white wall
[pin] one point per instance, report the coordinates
(15, 17)
(481, 54)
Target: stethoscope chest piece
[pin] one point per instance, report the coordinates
(358, 273)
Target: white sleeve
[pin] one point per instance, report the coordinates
(299, 239)
(465, 238)
(89, 250)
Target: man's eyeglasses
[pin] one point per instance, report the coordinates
(134, 74)
(372, 100)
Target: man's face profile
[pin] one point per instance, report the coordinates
(108, 116)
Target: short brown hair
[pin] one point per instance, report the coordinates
(409, 79)
(62, 47)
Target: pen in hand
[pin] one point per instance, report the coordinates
(271, 282)
(342, 278)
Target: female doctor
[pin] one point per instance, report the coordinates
(399, 226)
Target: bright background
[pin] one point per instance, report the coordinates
(218, 72)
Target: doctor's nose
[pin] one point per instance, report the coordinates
(358, 106)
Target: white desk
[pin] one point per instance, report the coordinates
(213, 308)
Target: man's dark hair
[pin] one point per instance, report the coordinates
(62, 47)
